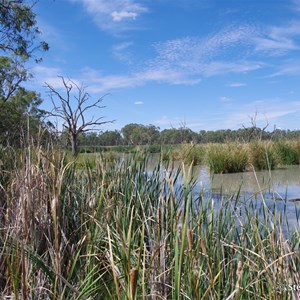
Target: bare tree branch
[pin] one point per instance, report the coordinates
(72, 108)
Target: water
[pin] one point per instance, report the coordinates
(279, 189)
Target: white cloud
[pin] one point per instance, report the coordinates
(289, 68)
(188, 60)
(224, 99)
(192, 53)
(97, 82)
(236, 84)
(220, 67)
(122, 53)
(138, 102)
(278, 40)
(111, 15)
(118, 16)
(51, 76)
(195, 57)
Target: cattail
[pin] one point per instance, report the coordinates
(178, 215)
(133, 281)
(190, 239)
(92, 202)
(239, 272)
(202, 246)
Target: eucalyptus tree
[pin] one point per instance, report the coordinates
(19, 42)
(72, 107)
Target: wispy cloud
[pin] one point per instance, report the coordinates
(296, 4)
(220, 67)
(205, 57)
(268, 111)
(189, 60)
(288, 68)
(236, 84)
(192, 53)
(195, 57)
(138, 103)
(278, 40)
(177, 122)
(122, 53)
(50, 75)
(112, 15)
(224, 99)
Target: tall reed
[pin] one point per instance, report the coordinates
(115, 230)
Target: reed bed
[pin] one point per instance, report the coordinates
(114, 230)
(235, 157)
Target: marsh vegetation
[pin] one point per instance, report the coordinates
(110, 229)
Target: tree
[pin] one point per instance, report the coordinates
(18, 43)
(72, 108)
(138, 134)
(19, 114)
(110, 138)
(18, 30)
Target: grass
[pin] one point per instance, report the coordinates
(109, 229)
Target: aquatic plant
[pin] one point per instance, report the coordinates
(117, 231)
(227, 158)
(262, 155)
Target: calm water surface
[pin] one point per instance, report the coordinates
(279, 188)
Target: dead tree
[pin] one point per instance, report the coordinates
(256, 133)
(71, 107)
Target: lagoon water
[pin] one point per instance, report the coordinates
(279, 189)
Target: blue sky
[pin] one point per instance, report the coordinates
(205, 64)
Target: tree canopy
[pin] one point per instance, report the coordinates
(19, 42)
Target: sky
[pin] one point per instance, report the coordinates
(203, 64)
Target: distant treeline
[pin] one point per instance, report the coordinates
(138, 134)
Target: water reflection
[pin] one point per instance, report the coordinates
(284, 183)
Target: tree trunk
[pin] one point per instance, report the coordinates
(73, 139)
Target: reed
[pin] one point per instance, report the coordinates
(263, 156)
(227, 158)
(287, 152)
(114, 230)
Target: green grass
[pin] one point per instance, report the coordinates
(72, 229)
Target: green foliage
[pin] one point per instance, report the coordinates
(18, 115)
(113, 230)
(18, 43)
(178, 136)
(19, 32)
(227, 158)
(138, 134)
(287, 153)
